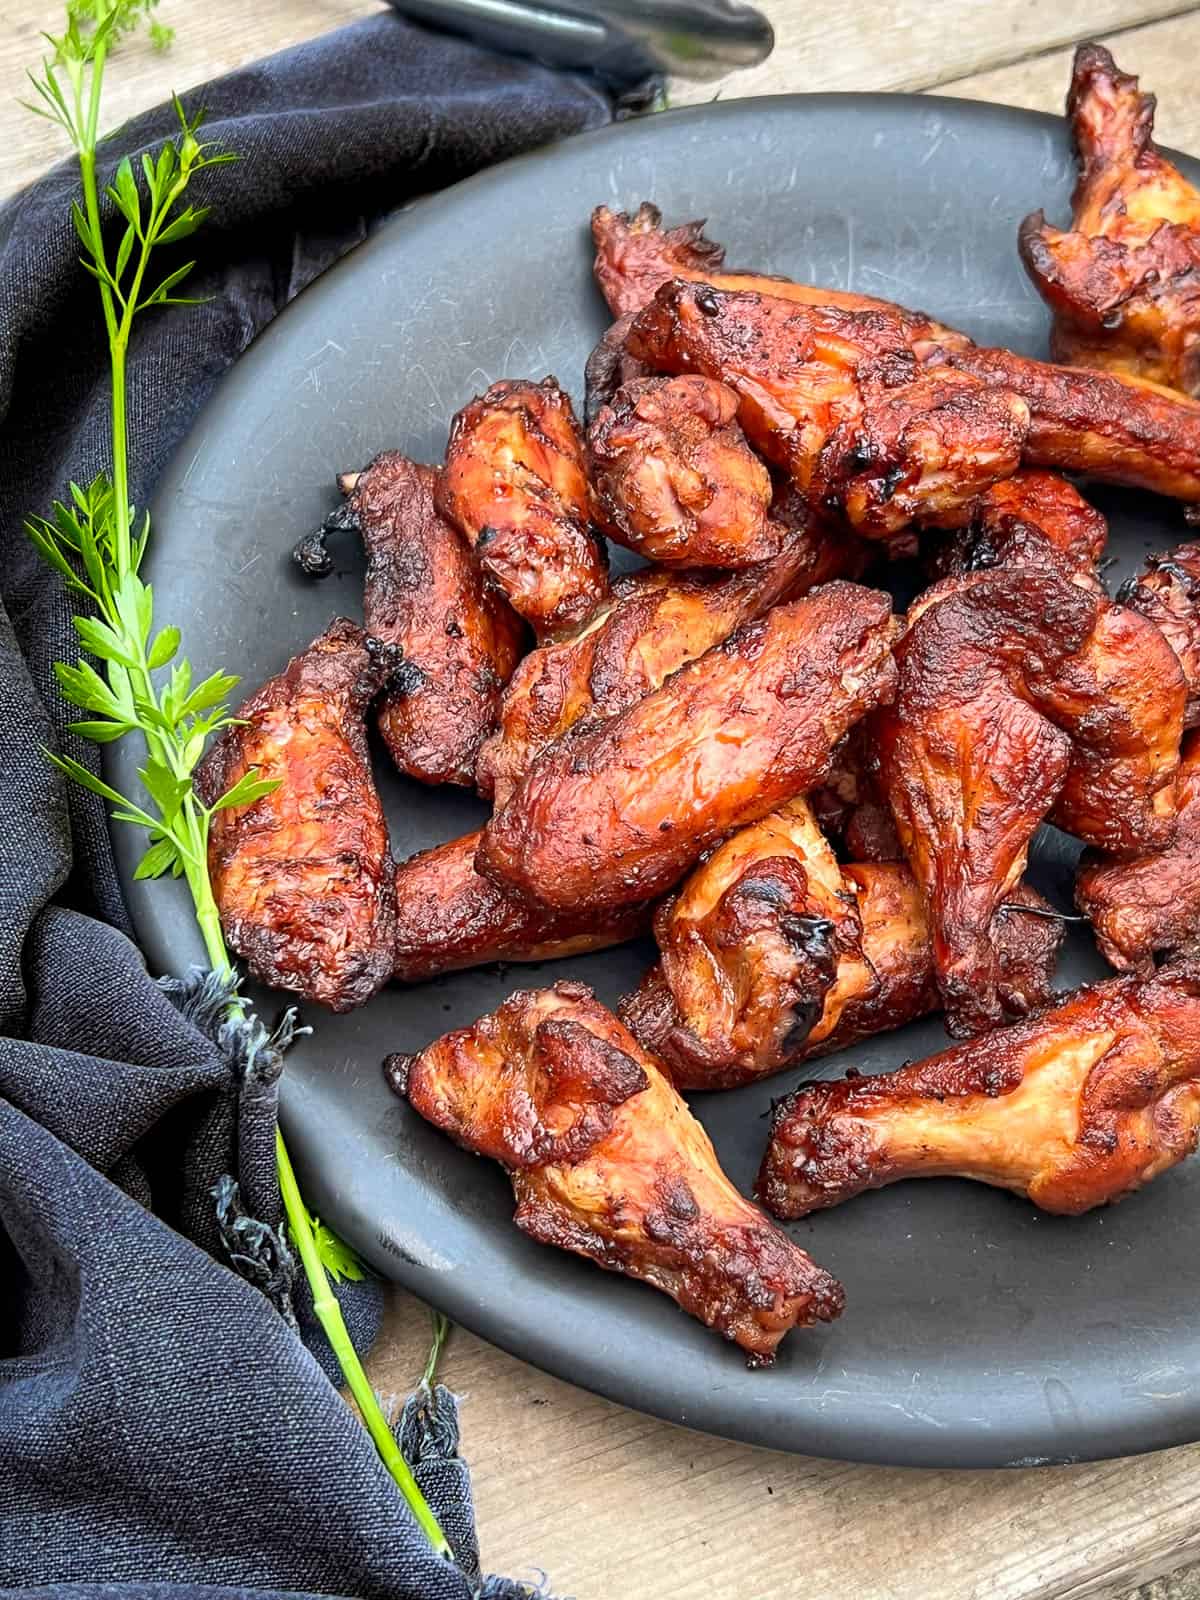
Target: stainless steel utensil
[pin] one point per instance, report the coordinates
(620, 40)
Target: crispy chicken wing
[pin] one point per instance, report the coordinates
(838, 400)
(970, 766)
(1074, 1108)
(617, 810)
(1124, 281)
(607, 1161)
(635, 256)
(303, 876)
(515, 483)
(449, 916)
(1151, 904)
(425, 592)
(654, 623)
(675, 479)
(1167, 592)
(772, 954)
(1031, 519)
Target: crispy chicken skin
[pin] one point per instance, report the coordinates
(1031, 519)
(425, 592)
(1167, 592)
(970, 766)
(449, 916)
(675, 480)
(607, 1161)
(616, 811)
(838, 400)
(1106, 426)
(635, 256)
(1075, 1108)
(772, 954)
(1151, 904)
(303, 877)
(654, 623)
(1124, 281)
(515, 483)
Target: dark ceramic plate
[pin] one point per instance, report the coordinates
(977, 1332)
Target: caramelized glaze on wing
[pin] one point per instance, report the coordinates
(1074, 1108)
(838, 400)
(303, 876)
(515, 484)
(1150, 904)
(1124, 281)
(1167, 592)
(655, 623)
(772, 954)
(617, 810)
(674, 478)
(1031, 519)
(607, 1161)
(425, 592)
(449, 916)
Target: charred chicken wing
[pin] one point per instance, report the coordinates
(838, 400)
(449, 916)
(1124, 281)
(1167, 592)
(654, 623)
(1151, 904)
(515, 483)
(1031, 519)
(607, 1161)
(303, 876)
(617, 810)
(1074, 1108)
(772, 954)
(675, 479)
(425, 592)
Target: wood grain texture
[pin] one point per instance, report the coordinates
(609, 1502)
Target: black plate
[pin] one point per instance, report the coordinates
(978, 1332)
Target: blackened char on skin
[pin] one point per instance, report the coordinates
(607, 1161)
(1167, 592)
(303, 877)
(1074, 1108)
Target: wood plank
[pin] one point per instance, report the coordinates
(1163, 54)
(589, 1490)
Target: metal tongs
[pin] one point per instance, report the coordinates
(622, 41)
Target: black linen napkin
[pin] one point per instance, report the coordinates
(162, 1429)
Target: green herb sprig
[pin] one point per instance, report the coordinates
(96, 541)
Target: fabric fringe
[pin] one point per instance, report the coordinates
(258, 1253)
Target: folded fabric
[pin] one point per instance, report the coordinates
(162, 1429)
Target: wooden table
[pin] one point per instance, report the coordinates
(612, 1503)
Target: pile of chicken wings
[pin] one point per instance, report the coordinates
(822, 810)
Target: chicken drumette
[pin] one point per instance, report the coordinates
(607, 1161)
(515, 483)
(303, 876)
(654, 623)
(425, 592)
(773, 953)
(1124, 281)
(675, 479)
(1076, 1107)
(616, 811)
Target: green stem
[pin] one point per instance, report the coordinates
(123, 540)
(329, 1314)
(441, 1332)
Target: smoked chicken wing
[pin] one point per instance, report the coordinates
(607, 1161)
(303, 877)
(515, 483)
(449, 916)
(1031, 519)
(675, 480)
(1167, 592)
(425, 592)
(772, 954)
(616, 811)
(838, 400)
(1124, 281)
(1150, 904)
(654, 624)
(1074, 1108)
